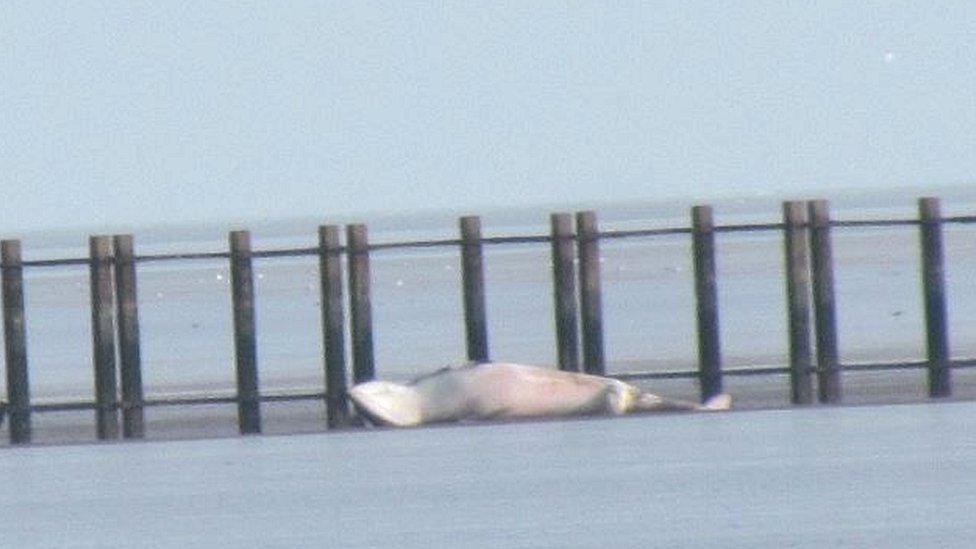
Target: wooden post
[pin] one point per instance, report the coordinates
(333, 326)
(828, 367)
(15, 342)
(706, 294)
(245, 344)
(933, 280)
(473, 276)
(564, 291)
(360, 306)
(591, 308)
(797, 255)
(127, 310)
(103, 338)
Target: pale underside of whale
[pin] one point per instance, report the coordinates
(507, 391)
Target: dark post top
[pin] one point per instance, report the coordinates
(103, 338)
(333, 325)
(245, 342)
(473, 287)
(828, 367)
(591, 302)
(564, 291)
(797, 256)
(15, 343)
(360, 304)
(933, 279)
(706, 294)
(127, 329)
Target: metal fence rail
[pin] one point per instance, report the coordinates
(574, 243)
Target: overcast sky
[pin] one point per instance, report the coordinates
(168, 112)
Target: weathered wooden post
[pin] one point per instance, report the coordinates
(473, 277)
(103, 338)
(933, 280)
(706, 296)
(333, 326)
(828, 364)
(360, 304)
(797, 255)
(564, 291)
(15, 342)
(245, 344)
(127, 326)
(591, 307)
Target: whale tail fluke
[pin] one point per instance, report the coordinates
(386, 403)
(647, 402)
(717, 403)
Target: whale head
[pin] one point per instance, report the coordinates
(386, 403)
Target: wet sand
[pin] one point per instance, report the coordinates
(871, 476)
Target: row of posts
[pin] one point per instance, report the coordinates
(115, 325)
(115, 331)
(809, 273)
(810, 292)
(577, 299)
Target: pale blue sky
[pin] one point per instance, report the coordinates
(166, 112)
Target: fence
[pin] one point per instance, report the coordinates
(812, 326)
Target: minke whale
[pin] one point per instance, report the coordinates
(497, 390)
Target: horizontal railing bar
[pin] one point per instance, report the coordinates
(537, 239)
(613, 234)
(761, 370)
(67, 406)
(748, 227)
(56, 262)
(177, 401)
(190, 401)
(756, 371)
(689, 374)
(231, 399)
(960, 219)
(629, 233)
(869, 366)
(415, 244)
(874, 223)
(664, 374)
(287, 252)
(458, 242)
(626, 233)
(293, 396)
(182, 256)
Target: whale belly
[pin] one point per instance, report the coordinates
(513, 391)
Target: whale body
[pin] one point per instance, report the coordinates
(505, 390)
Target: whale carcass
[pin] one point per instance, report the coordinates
(497, 390)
